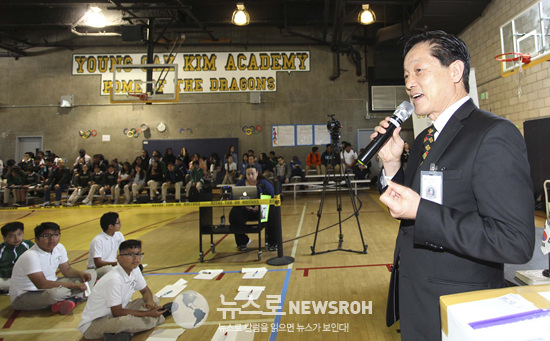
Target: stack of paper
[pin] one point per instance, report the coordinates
(254, 273)
(247, 293)
(172, 290)
(208, 274)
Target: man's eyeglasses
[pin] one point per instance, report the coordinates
(138, 255)
(50, 235)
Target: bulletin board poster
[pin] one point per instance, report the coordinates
(304, 135)
(283, 136)
(321, 134)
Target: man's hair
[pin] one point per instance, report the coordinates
(196, 162)
(280, 157)
(446, 47)
(38, 230)
(107, 219)
(129, 244)
(314, 149)
(12, 227)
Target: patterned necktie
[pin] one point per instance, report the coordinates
(427, 143)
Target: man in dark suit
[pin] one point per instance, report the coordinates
(473, 212)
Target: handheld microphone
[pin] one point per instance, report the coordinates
(400, 115)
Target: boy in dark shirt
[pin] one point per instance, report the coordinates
(13, 246)
(111, 179)
(97, 182)
(173, 179)
(58, 181)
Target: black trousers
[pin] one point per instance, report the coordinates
(238, 217)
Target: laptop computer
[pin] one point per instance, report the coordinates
(245, 192)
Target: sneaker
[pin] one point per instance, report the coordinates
(68, 204)
(134, 200)
(16, 204)
(168, 308)
(57, 203)
(164, 201)
(65, 307)
(86, 201)
(271, 247)
(243, 247)
(89, 203)
(46, 203)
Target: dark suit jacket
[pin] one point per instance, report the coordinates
(486, 219)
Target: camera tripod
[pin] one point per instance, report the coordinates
(337, 180)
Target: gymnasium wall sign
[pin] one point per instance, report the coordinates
(201, 72)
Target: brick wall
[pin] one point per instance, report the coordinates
(483, 40)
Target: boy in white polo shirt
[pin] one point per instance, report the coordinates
(109, 310)
(104, 246)
(34, 284)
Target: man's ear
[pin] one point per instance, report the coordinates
(457, 70)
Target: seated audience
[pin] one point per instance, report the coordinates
(169, 157)
(34, 284)
(330, 161)
(230, 171)
(10, 250)
(196, 178)
(81, 183)
(282, 173)
(110, 180)
(16, 181)
(138, 181)
(58, 181)
(266, 165)
(96, 183)
(173, 178)
(104, 246)
(155, 178)
(296, 168)
(109, 311)
(313, 160)
(123, 182)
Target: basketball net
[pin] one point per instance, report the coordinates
(518, 76)
(139, 103)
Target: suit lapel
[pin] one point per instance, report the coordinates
(451, 129)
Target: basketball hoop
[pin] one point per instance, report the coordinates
(525, 58)
(141, 98)
(515, 57)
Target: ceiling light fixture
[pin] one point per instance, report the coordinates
(367, 16)
(240, 15)
(95, 18)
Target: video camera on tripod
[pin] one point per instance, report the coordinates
(334, 127)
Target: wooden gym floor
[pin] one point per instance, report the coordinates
(170, 243)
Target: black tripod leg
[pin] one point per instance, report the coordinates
(356, 213)
(320, 212)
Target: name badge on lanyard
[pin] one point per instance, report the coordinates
(431, 185)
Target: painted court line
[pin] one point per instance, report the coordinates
(306, 270)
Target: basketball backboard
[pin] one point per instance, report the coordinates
(526, 33)
(144, 83)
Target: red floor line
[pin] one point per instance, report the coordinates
(220, 276)
(189, 268)
(10, 320)
(216, 244)
(26, 215)
(306, 270)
